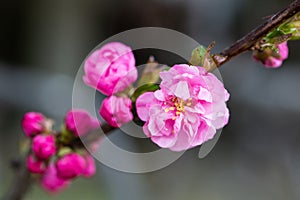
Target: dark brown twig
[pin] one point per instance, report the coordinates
(257, 34)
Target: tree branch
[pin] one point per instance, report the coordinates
(257, 34)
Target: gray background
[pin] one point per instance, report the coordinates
(257, 157)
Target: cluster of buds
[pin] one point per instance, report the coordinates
(56, 157)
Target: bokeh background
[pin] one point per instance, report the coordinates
(43, 43)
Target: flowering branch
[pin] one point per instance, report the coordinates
(174, 106)
(249, 40)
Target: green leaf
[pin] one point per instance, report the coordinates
(64, 151)
(142, 89)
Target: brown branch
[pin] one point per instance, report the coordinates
(257, 34)
(21, 182)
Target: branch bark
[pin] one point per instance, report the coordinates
(21, 182)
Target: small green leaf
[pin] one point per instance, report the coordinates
(64, 151)
(142, 89)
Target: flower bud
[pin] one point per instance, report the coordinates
(110, 69)
(80, 122)
(270, 57)
(32, 123)
(90, 169)
(116, 110)
(70, 166)
(51, 182)
(44, 146)
(35, 165)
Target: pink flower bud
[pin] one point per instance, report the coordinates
(111, 68)
(116, 110)
(90, 169)
(270, 58)
(186, 111)
(44, 146)
(51, 182)
(70, 166)
(80, 122)
(35, 165)
(32, 123)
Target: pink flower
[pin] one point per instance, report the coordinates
(116, 110)
(43, 146)
(51, 182)
(267, 56)
(111, 68)
(80, 122)
(32, 123)
(90, 169)
(186, 111)
(70, 166)
(35, 165)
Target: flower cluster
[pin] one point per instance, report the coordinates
(272, 57)
(111, 70)
(186, 111)
(54, 155)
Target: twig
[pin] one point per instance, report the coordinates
(21, 182)
(257, 34)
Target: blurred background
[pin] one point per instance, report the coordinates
(42, 45)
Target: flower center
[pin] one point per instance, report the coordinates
(176, 105)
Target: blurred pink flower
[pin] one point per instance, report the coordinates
(70, 166)
(35, 165)
(186, 111)
(43, 146)
(90, 169)
(111, 68)
(271, 61)
(80, 122)
(116, 111)
(51, 182)
(32, 123)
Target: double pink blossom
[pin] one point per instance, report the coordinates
(111, 68)
(80, 122)
(43, 146)
(268, 58)
(32, 123)
(116, 111)
(186, 111)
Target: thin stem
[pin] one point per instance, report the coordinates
(257, 34)
(21, 182)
